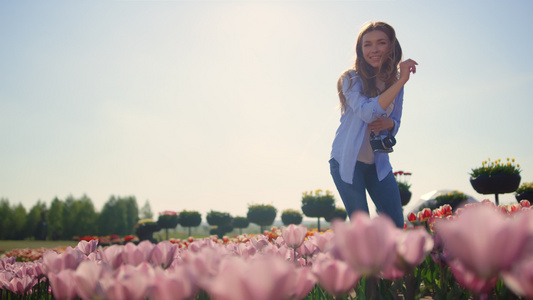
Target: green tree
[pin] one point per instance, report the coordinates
(86, 216)
(18, 221)
(55, 219)
(79, 217)
(34, 227)
(146, 211)
(5, 215)
(118, 216)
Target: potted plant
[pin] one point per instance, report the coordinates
(190, 219)
(496, 177)
(145, 229)
(318, 205)
(261, 214)
(291, 216)
(168, 220)
(339, 213)
(240, 222)
(525, 192)
(222, 221)
(403, 185)
(454, 199)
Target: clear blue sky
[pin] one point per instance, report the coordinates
(214, 105)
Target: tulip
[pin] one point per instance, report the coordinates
(136, 254)
(412, 248)
(520, 278)
(70, 259)
(303, 282)
(63, 284)
(525, 203)
(334, 276)
(130, 283)
(294, 235)
(163, 254)
(112, 255)
(307, 249)
(424, 215)
(263, 278)
(367, 245)
(485, 241)
(86, 279)
(173, 284)
(470, 280)
(87, 247)
(411, 217)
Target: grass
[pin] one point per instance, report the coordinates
(10, 245)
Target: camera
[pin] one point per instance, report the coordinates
(382, 143)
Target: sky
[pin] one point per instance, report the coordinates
(216, 105)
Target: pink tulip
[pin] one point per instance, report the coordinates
(367, 245)
(303, 282)
(307, 248)
(163, 254)
(263, 278)
(470, 280)
(5, 261)
(520, 278)
(70, 259)
(86, 278)
(484, 241)
(294, 235)
(136, 254)
(334, 276)
(129, 284)
(87, 247)
(112, 255)
(21, 285)
(5, 279)
(322, 240)
(173, 284)
(63, 284)
(412, 248)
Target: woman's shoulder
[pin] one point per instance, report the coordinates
(349, 79)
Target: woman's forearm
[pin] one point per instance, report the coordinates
(388, 96)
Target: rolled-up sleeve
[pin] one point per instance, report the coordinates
(368, 109)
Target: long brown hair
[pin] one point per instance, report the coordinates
(388, 69)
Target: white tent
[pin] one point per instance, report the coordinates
(413, 205)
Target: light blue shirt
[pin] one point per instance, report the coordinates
(361, 110)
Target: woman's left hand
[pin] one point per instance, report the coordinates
(381, 124)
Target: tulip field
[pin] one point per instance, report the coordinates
(481, 251)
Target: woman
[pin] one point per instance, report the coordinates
(371, 98)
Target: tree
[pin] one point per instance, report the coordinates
(18, 221)
(190, 219)
(112, 219)
(55, 219)
(5, 214)
(36, 225)
(146, 211)
(86, 216)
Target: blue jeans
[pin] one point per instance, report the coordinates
(385, 194)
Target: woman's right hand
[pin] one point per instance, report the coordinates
(406, 68)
